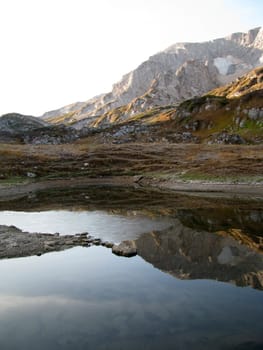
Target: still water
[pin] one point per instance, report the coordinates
(196, 283)
(114, 228)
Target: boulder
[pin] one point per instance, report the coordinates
(125, 248)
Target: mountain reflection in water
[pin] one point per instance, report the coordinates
(208, 238)
(188, 253)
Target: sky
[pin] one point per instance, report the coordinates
(56, 52)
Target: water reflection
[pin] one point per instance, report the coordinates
(249, 220)
(101, 224)
(196, 254)
(73, 300)
(191, 237)
(87, 298)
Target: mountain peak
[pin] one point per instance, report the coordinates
(245, 39)
(180, 72)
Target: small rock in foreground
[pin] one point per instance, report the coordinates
(125, 248)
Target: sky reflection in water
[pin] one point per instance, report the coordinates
(91, 299)
(97, 223)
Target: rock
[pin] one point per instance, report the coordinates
(47, 246)
(125, 248)
(52, 135)
(29, 174)
(107, 244)
(85, 243)
(138, 178)
(228, 139)
(255, 113)
(51, 243)
(96, 241)
(69, 242)
(16, 243)
(82, 235)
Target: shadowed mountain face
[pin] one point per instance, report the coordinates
(194, 254)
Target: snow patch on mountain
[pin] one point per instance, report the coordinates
(225, 65)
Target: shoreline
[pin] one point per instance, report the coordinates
(16, 243)
(214, 187)
(17, 190)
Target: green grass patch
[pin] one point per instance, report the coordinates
(197, 102)
(12, 180)
(196, 176)
(252, 125)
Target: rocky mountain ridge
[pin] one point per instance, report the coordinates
(180, 72)
(231, 114)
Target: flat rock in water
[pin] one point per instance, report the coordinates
(125, 248)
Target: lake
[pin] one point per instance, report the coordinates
(196, 282)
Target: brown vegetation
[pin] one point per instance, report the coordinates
(190, 161)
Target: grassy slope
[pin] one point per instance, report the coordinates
(175, 161)
(247, 83)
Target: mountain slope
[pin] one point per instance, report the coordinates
(230, 114)
(180, 72)
(247, 83)
(19, 128)
(14, 122)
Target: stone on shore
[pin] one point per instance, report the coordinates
(107, 244)
(125, 248)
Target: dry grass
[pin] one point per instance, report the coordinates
(84, 159)
(249, 82)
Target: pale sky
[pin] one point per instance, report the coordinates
(56, 52)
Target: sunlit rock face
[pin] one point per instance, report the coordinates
(181, 71)
(188, 253)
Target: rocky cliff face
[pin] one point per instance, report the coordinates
(180, 72)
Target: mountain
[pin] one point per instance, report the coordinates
(180, 72)
(14, 122)
(16, 127)
(232, 114)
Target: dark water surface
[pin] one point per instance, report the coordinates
(196, 283)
